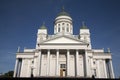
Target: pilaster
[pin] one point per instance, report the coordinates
(15, 69)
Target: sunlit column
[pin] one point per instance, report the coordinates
(111, 69)
(48, 62)
(105, 68)
(77, 72)
(18, 68)
(68, 55)
(98, 69)
(57, 65)
(15, 69)
(39, 63)
(86, 64)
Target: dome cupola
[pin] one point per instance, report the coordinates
(43, 26)
(63, 13)
(63, 23)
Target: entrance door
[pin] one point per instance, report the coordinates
(62, 70)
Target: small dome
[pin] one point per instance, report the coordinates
(84, 26)
(63, 13)
(43, 27)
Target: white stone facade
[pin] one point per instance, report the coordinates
(63, 54)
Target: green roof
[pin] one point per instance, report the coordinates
(84, 26)
(43, 26)
(63, 13)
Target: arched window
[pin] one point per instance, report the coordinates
(58, 29)
(63, 28)
(67, 25)
(58, 25)
(67, 29)
(62, 23)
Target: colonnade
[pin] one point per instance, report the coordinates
(57, 62)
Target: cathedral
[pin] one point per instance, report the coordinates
(63, 54)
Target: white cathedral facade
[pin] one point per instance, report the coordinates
(64, 54)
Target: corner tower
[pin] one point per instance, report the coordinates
(63, 24)
(41, 35)
(85, 34)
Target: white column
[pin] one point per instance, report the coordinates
(77, 70)
(68, 55)
(35, 70)
(86, 64)
(111, 69)
(15, 69)
(104, 63)
(39, 63)
(98, 69)
(56, 28)
(90, 66)
(48, 62)
(28, 71)
(57, 64)
(18, 69)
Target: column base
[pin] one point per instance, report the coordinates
(78, 76)
(68, 76)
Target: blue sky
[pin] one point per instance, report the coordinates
(20, 20)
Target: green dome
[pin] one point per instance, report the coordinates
(43, 27)
(63, 13)
(84, 26)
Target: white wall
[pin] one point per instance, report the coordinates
(52, 64)
(72, 65)
(81, 65)
(102, 69)
(44, 65)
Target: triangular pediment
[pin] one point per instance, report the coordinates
(63, 40)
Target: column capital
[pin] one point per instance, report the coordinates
(68, 49)
(77, 49)
(57, 49)
(48, 49)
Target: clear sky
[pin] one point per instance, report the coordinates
(20, 20)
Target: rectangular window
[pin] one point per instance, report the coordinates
(94, 72)
(67, 29)
(58, 29)
(62, 66)
(93, 62)
(63, 28)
